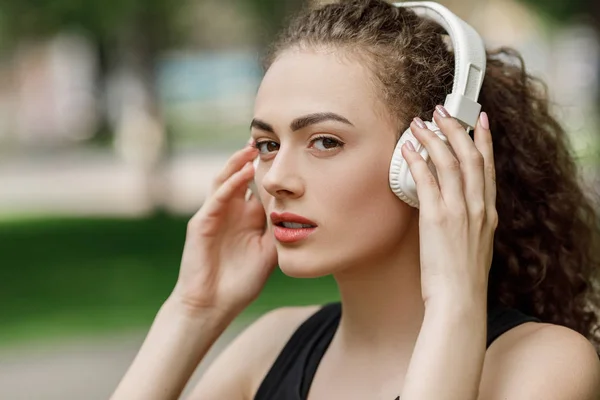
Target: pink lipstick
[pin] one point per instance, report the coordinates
(289, 228)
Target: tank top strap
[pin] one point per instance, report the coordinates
(502, 319)
(291, 374)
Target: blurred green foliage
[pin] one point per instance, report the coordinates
(161, 22)
(102, 20)
(562, 10)
(62, 277)
(271, 15)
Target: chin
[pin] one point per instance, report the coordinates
(295, 264)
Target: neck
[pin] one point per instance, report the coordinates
(382, 304)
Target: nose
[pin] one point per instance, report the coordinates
(282, 180)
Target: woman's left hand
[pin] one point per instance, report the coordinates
(457, 217)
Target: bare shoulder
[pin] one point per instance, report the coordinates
(239, 369)
(538, 360)
(278, 326)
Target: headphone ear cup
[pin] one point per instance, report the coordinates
(401, 180)
(252, 184)
(255, 162)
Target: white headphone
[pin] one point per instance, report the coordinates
(469, 70)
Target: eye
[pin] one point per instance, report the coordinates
(325, 143)
(267, 146)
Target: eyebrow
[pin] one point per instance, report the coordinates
(302, 122)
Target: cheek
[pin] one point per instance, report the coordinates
(364, 217)
(368, 205)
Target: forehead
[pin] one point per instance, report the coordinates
(302, 81)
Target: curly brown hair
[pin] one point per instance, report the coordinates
(546, 244)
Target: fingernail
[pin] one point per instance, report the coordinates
(420, 123)
(484, 121)
(410, 146)
(442, 111)
(250, 142)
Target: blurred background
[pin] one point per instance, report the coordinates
(114, 117)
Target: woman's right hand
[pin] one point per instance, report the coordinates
(228, 255)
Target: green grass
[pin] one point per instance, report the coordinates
(66, 277)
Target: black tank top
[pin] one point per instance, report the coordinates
(292, 373)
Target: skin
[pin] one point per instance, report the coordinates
(424, 271)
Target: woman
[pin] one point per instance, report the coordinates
(427, 313)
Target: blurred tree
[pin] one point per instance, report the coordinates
(129, 36)
(271, 15)
(149, 25)
(137, 28)
(565, 10)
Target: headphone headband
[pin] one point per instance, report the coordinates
(470, 60)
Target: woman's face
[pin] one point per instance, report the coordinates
(325, 146)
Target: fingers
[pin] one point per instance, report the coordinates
(470, 159)
(483, 141)
(235, 163)
(428, 191)
(446, 165)
(465, 170)
(216, 204)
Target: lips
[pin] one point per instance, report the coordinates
(289, 218)
(290, 228)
